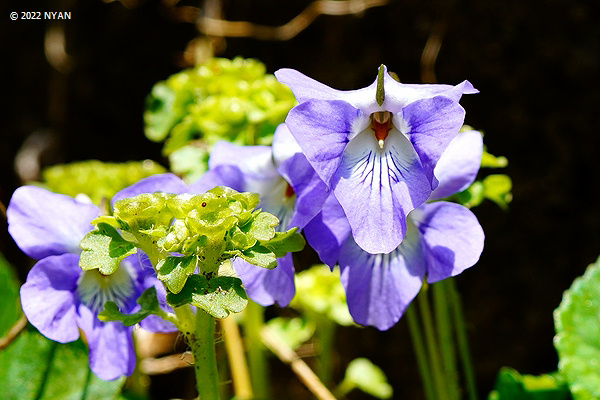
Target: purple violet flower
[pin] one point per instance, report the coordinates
(288, 187)
(375, 147)
(59, 298)
(442, 240)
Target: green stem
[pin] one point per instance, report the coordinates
(419, 346)
(461, 337)
(434, 359)
(202, 342)
(442, 319)
(253, 323)
(343, 389)
(326, 335)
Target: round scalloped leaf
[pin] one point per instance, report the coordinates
(577, 322)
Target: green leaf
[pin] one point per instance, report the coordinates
(369, 378)
(497, 188)
(96, 253)
(577, 339)
(260, 256)
(104, 249)
(292, 331)
(148, 302)
(217, 296)
(490, 161)
(174, 271)
(285, 242)
(10, 309)
(510, 385)
(261, 227)
(190, 161)
(118, 247)
(33, 367)
(319, 290)
(159, 116)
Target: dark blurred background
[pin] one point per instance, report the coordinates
(535, 63)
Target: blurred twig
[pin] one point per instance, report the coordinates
(237, 358)
(431, 51)
(221, 28)
(288, 356)
(164, 365)
(434, 44)
(14, 332)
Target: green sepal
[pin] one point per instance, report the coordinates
(217, 296)
(380, 94)
(285, 242)
(148, 302)
(104, 249)
(174, 271)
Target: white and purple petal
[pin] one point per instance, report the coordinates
(49, 299)
(328, 230)
(459, 164)
(451, 236)
(397, 95)
(43, 223)
(268, 286)
(323, 129)
(284, 145)
(377, 188)
(432, 124)
(379, 287)
(254, 161)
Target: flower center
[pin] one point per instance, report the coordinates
(96, 289)
(289, 191)
(381, 123)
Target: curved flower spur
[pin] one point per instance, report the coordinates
(375, 147)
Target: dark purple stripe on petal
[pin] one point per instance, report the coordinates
(379, 287)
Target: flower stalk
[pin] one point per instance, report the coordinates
(202, 343)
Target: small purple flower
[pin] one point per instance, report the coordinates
(289, 188)
(442, 240)
(59, 298)
(377, 156)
